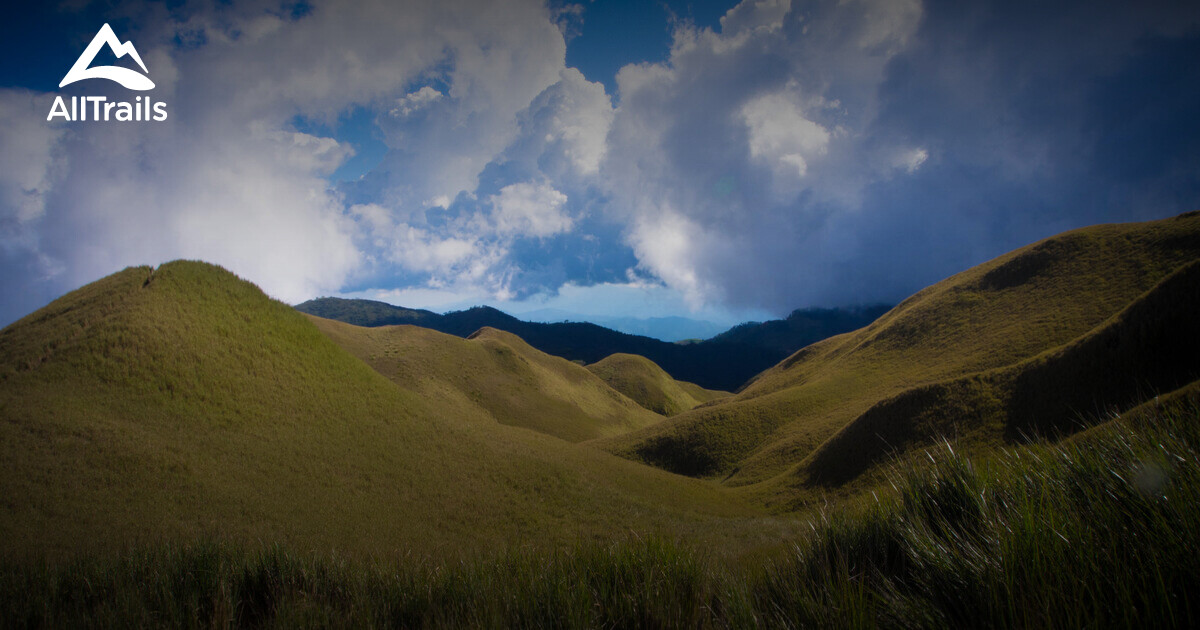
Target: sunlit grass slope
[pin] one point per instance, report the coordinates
(497, 373)
(182, 403)
(647, 384)
(1044, 299)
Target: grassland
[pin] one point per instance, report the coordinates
(1097, 531)
(178, 404)
(496, 375)
(648, 385)
(1015, 324)
(999, 450)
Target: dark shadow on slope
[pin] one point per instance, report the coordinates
(1152, 346)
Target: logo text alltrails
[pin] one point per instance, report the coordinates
(99, 108)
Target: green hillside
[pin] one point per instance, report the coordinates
(497, 373)
(1046, 300)
(647, 384)
(181, 404)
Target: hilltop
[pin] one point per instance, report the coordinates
(648, 385)
(180, 403)
(1037, 341)
(725, 362)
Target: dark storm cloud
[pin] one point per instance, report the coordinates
(1038, 117)
(980, 128)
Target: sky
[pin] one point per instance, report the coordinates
(715, 160)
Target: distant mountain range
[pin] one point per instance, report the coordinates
(665, 328)
(724, 362)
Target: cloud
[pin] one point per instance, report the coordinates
(781, 135)
(528, 209)
(255, 201)
(411, 103)
(847, 151)
(231, 178)
(668, 244)
(494, 60)
(746, 140)
(754, 14)
(824, 152)
(568, 123)
(28, 164)
(443, 258)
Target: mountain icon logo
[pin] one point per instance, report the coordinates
(130, 79)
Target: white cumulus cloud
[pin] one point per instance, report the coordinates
(780, 133)
(528, 209)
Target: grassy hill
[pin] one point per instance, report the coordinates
(1030, 341)
(182, 450)
(497, 373)
(649, 386)
(181, 404)
(723, 363)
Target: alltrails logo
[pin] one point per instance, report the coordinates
(141, 109)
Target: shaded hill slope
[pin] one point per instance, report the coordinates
(721, 363)
(495, 371)
(1152, 346)
(182, 403)
(649, 386)
(1034, 300)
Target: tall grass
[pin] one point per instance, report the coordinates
(1097, 532)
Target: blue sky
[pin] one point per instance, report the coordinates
(716, 160)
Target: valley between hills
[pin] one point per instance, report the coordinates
(163, 420)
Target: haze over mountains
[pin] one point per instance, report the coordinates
(181, 402)
(724, 362)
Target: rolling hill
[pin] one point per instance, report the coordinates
(182, 404)
(649, 386)
(496, 372)
(723, 363)
(1092, 320)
